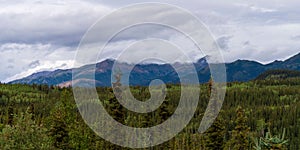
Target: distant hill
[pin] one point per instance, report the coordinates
(143, 74)
(278, 74)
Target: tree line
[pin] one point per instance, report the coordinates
(260, 114)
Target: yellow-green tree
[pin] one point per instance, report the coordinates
(240, 134)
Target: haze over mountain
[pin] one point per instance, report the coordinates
(44, 35)
(143, 74)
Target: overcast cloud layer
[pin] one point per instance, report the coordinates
(43, 35)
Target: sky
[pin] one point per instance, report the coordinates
(42, 35)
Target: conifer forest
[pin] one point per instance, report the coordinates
(255, 115)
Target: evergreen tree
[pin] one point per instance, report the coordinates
(214, 136)
(116, 109)
(10, 115)
(240, 134)
(58, 130)
(60, 118)
(214, 139)
(24, 134)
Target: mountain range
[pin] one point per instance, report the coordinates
(143, 74)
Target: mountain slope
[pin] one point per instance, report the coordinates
(143, 74)
(278, 74)
(243, 70)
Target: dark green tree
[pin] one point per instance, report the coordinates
(10, 114)
(116, 109)
(214, 136)
(60, 118)
(240, 134)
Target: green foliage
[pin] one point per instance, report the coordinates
(59, 119)
(278, 74)
(215, 135)
(58, 129)
(57, 124)
(271, 142)
(240, 134)
(116, 109)
(25, 134)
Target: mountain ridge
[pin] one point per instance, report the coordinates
(143, 74)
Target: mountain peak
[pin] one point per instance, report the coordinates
(240, 70)
(202, 60)
(294, 59)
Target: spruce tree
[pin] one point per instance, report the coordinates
(240, 134)
(214, 136)
(60, 119)
(10, 115)
(116, 109)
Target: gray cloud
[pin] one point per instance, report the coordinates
(223, 42)
(47, 22)
(10, 67)
(10, 60)
(49, 31)
(20, 56)
(246, 43)
(34, 64)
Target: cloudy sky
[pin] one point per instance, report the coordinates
(38, 35)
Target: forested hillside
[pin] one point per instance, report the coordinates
(262, 114)
(278, 74)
